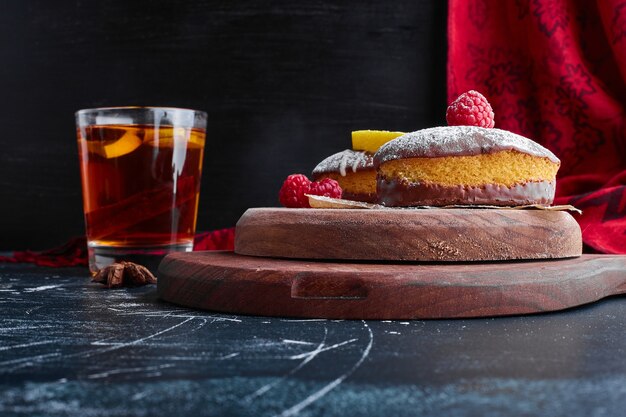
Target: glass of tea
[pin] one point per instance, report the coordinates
(140, 171)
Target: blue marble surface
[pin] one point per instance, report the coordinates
(70, 348)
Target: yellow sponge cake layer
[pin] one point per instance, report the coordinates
(506, 168)
(363, 182)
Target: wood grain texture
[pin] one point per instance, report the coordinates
(449, 235)
(227, 282)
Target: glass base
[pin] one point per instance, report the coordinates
(102, 256)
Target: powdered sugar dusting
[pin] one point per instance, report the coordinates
(343, 160)
(458, 141)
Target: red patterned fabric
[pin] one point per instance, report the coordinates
(555, 71)
(223, 239)
(74, 252)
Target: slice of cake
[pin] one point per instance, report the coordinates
(464, 165)
(354, 171)
(354, 168)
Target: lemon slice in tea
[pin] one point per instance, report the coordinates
(371, 140)
(124, 145)
(168, 137)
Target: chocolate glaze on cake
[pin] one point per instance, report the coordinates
(393, 193)
(458, 141)
(365, 197)
(344, 161)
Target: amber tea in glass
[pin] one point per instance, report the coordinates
(140, 171)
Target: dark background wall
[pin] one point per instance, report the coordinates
(283, 82)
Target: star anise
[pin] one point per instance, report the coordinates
(124, 274)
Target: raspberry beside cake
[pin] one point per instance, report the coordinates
(464, 165)
(354, 171)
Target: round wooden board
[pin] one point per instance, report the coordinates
(441, 235)
(231, 283)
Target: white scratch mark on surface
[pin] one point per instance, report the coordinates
(301, 320)
(203, 321)
(10, 329)
(172, 313)
(141, 395)
(321, 348)
(29, 360)
(43, 342)
(42, 288)
(128, 371)
(101, 342)
(319, 394)
(129, 305)
(30, 310)
(214, 319)
(297, 342)
(271, 385)
(393, 332)
(232, 355)
(134, 342)
(167, 315)
(115, 346)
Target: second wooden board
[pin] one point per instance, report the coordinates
(439, 235)
(227, 282)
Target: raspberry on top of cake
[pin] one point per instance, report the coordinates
(464, 165)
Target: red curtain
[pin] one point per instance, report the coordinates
(555, 71)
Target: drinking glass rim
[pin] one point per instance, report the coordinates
(112, 108)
